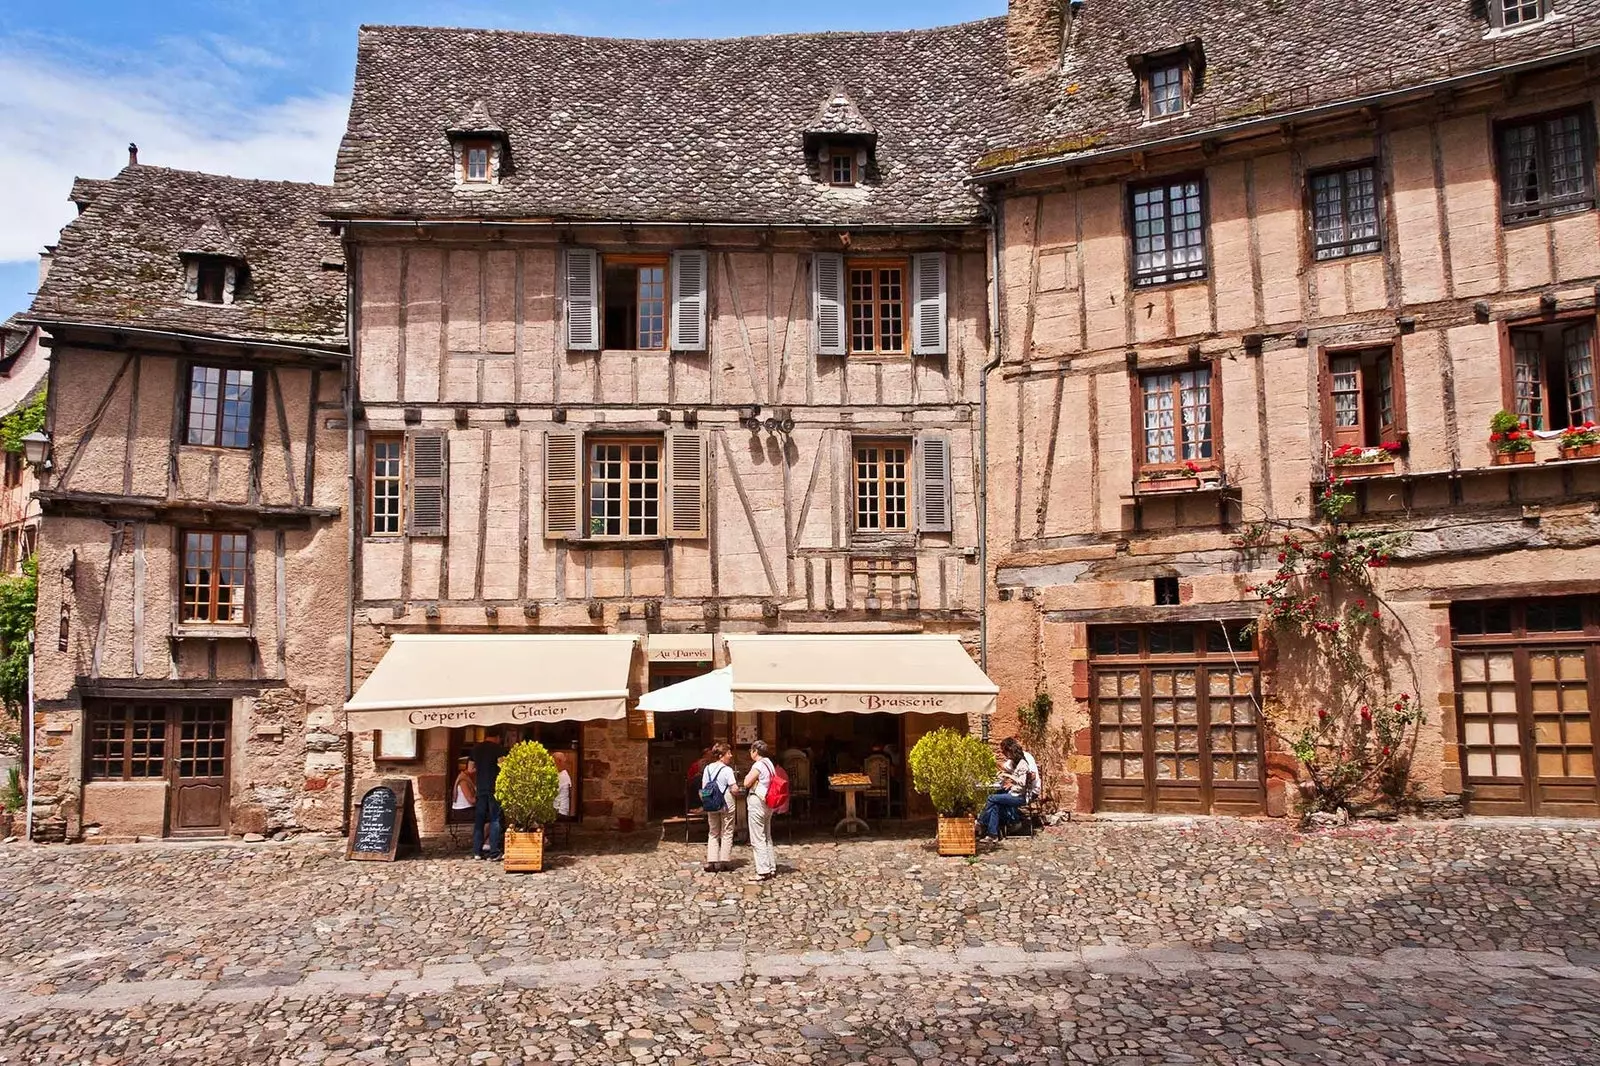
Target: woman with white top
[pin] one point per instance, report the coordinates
(466, 787)
(755, 784)
(718, 774)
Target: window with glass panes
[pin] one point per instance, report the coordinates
(1361, 397)
(883, 486)
(1547, 165)
(127, 741)
(221, 403)
(475, 162)
(1344, 212)
(842, 169)
(1165, 86)
(386, 485)
(635, 300)
(625, 488)
(1513, 13)
(1177, 417)
(216, 569)
(1553, 374)
(877, 305)
(1169, 241)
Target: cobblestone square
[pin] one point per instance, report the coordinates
(1142, 942)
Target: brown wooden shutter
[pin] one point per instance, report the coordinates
(933, 483)
(430, 484)
(1386, 365)
(687, 469)
(563, 483)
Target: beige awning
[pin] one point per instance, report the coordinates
(486, 679)
(866, 674)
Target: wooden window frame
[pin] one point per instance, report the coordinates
(100, 713)
(401, 482)
(246, 589)
(1552, 325)
(1497, 15)
(1147, 86)
(592, 441)
(252, 418)
(1349, 247)
(849, 161)
(906, 444)
(1547, 207)
(1136, 383)
(210, 273)
(1331, 434)
(876, 264)
(637, 261)
(465, 161)
(1150, 279)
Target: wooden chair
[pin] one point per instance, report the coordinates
(693, 815)
(797, 764)
(877, 767)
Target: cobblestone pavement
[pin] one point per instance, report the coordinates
(1134, 942)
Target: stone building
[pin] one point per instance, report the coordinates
(632, 359)
(1239, 236)
(193, 555)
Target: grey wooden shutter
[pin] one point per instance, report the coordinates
(689, 301)
(687, 468)
(933, 483)
(827, 303)
(430, 484)
(583, 300)
(563, 483)
(928, 300)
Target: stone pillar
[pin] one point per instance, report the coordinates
(1034, 33)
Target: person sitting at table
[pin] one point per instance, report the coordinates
(466, 788)
(1018, 785)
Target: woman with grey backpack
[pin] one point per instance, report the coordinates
(717, 783)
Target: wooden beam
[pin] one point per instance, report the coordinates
(276, 387)
(111, 507)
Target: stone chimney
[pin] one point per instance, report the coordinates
(1035, 31)
(45, 258)
(133, 154)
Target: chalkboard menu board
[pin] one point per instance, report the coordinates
(385, 824)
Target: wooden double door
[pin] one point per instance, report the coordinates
(1176, 724)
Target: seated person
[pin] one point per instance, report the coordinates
(1019, 784)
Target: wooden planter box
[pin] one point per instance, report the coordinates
(958, 836)
(1373, 469)
(1512, 458)
(1156, 486)
(524, 851)
(1583, 451)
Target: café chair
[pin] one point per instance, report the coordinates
(797, 764)
(877, 767)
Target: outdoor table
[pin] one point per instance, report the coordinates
(851, 785)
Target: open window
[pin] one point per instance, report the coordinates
(1551, 374)
(626, 302)
(1362, 398)
(634, 288)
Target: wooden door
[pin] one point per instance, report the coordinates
(200, 769)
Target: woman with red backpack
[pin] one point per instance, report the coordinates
(768, 793)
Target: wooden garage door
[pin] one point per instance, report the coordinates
(1175, 720)
(1526, 675)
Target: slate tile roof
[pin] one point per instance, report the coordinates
(655, 130)
(1262, 57)
(119, 263)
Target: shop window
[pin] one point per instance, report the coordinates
(1361, 398)
(1169, 242)
(221, 406)
(1177, 406)
(386, 485)
(1547, 165)
(216, 570)
(127, 742)
(883, 486)
(634, 289)
(624, 488)
(877, 305)
(1344, 212)
(1552, 374)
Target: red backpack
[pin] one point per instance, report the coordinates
(778, 790)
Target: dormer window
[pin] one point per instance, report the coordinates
(211, 278)
(480, 146)
(841, 168)
(1165, 91)
(1510, 14)
(475, 162)
(1168, 79)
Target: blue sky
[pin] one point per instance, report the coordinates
(259, 89)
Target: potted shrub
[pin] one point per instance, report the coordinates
(956, 772)
(1181, 479)
(526, 789)
(1510, 438)
(1581, 442)
(1355, 460)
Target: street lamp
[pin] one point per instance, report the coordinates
(36, 449)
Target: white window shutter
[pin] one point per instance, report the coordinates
(688, 474)
(827, 303)
(583, 300)
(689, 301)
(933, 483)
(927, 296)
(430, 484)
(563, 483)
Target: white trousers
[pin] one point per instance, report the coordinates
(719, 835)
(761, 836)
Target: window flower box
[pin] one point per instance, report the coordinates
(1510, 439)
(1581, 442)
(1582, 451)
(1512, 458)
(1158, 486)
(1354, 461)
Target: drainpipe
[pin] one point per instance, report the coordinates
(351, 533)
(27, 821)
(994, 208)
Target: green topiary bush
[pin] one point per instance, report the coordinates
(954, 770)
(526, 787)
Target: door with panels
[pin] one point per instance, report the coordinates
(1176, 721)
(1525, 705)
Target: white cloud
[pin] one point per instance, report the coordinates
(57, 122)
